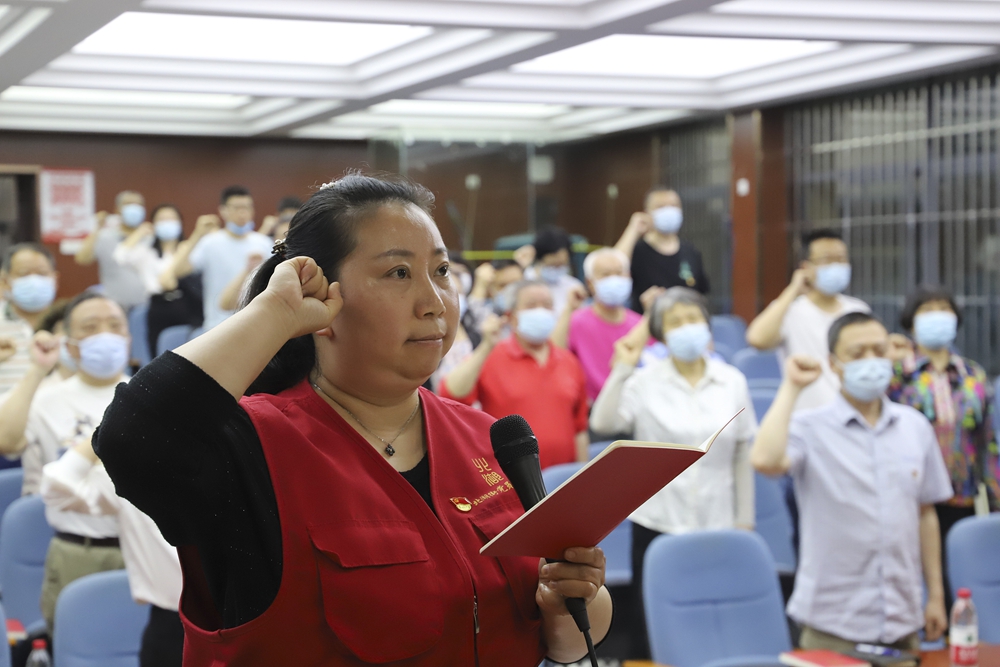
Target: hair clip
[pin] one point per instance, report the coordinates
(327, 185)
(278, 248)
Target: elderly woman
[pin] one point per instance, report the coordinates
(682, 399)
(320, 499)
(954, 393)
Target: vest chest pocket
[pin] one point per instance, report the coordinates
(380, 592)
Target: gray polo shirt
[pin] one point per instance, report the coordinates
(859, 490)
(121, 282)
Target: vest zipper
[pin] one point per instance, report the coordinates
(475, 611)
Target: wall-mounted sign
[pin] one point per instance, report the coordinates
(66, 198)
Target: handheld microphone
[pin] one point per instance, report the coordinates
(516, 450)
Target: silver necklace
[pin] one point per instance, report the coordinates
(389, 449)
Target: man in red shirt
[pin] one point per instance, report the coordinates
(527, 375)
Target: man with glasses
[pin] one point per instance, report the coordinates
(797, 321)
(867, 475)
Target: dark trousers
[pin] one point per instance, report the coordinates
(948, 516)
(163, 639)
(638, 638)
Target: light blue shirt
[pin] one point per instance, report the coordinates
(221, 257)
(859, 490)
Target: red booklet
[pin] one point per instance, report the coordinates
(587, 507)
(820, 658)
(15, 631)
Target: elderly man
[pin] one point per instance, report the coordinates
(659, 256)
(28, 282)
(590, 333)
(527, 375)
(867, 474)
(64, 415)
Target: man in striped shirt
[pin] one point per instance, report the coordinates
(28, 287)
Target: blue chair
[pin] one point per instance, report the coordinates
(757, 365)
(768, 384)
(762, 399)
(713, 598)
(774, 522)
(98, 624)
(11, 481)
(173, 337)
(138, 327)
(598, 447)
(725, 351)
(617, 546)
(973, 545)
(26, 536)
(730, 330)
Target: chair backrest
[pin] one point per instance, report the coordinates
(11, 481)
(973, 546)
(618, 551)
(555, 475)
(762, 399)
(98, 624)
(757, 364)
(138, 327)
(25, 542)
(598, 447)
(712, 595)
(173, 337)
(724, 350)
(730, 330)
(774, 521)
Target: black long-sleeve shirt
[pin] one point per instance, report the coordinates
(182, 450)
(650, 267)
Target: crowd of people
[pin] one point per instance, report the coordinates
(887, 438)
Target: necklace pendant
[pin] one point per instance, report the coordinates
(390, 450)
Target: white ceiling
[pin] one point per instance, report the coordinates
(455, 70)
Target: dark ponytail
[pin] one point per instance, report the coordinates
(325, 228)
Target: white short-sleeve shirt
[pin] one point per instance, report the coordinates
(804, 331)
(221, 257)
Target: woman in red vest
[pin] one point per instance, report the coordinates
(327, 509)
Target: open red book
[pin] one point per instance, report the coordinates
(587, 507)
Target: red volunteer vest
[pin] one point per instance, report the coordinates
(370, 574)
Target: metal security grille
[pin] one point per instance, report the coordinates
(695, 161)
(909, 176)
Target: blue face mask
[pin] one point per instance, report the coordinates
(833, 279)
(689, 342)
(613, 291)
(104, 355)
(463, 306)
(935, 330)
(553, 274)
(535, 325)
(33, 293)
(167, 230)
(65, 359)
(668, 219)
(867, 379)
(240, 230)
(133, 214)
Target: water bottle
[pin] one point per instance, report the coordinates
(964, 635)
(39, 656)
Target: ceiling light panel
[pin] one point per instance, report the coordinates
(887, 10)
(671, 56)
(122, 97)
(243, 39)
(467, 109)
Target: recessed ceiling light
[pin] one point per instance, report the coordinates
(122, 97)
(140, 34)
(671, 56)
(477, 109)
